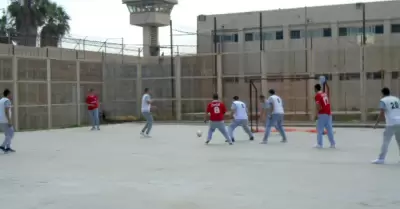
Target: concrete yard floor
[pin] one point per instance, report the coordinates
(115, 168)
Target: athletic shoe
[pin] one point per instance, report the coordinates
(231, 143)
(333, 146)
(284, 141)
(98, 128)
(142, 134)
(93, 128)
(264, 142)
(251, 138)
(208, 141)
(233, 140)
(3, 148)
(378, 161)
(318, 146)
(9, 150)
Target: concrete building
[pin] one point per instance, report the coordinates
(333, 49)
(327, 26)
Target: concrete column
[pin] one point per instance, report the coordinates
(139, 87)
(334, 91)
(388, 68)
(78, 92)
(178, 95)
(49, 112)
(310, 84)
(15, 92)
(286, 54)
(264, 71)
(241, 56)
(219, 76)
(335, 87)
(363, 100)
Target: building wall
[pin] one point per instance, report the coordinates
(332, 42)
(233, 28)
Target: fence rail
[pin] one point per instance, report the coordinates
(49, 85)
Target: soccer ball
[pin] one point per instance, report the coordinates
(199, 133)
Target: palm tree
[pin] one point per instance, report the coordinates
(27, 18)
(6, 30)
(56, 25)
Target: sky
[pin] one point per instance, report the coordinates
(102, 20)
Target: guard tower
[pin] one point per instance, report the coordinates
(150, 14)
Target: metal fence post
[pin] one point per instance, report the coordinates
(139, 86)
(363, 101)
(49, 109)
(178, 96)
(219, 76)
(78, 92)
(16, 92)
(264, 71)
(310, 84)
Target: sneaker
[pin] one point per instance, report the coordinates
(3, 148)
(333, 146)
(9, 150)
(98, 128)
(93, 128)
(208, 141)
(284, 141)
(233, 140)
(142, 134)
(318, 146)
(231, 143)
(378, 161)
(264, 142)
(251, 138)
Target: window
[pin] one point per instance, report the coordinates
(279, 35)
(248, 37)
(236, 37)
(395, 28)
(295, 34)
(314, 33)
(227, 38)
(379, 29)
(349, 76)
(353, 31)
(268, 36)
(342, 31)
(327, 32)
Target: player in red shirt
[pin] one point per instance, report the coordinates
(92, 102)
(324, 117)
(216, 109)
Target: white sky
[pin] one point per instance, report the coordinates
(109, 19)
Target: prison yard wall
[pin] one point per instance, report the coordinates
(50, 84)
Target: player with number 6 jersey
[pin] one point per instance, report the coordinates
(324, 117)
(240, 118)
(275, 116)
(216, 109)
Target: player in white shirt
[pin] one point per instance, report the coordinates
(240, 118)
(390, 109)
(146, 112)
(6, 121)
(275, 116)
